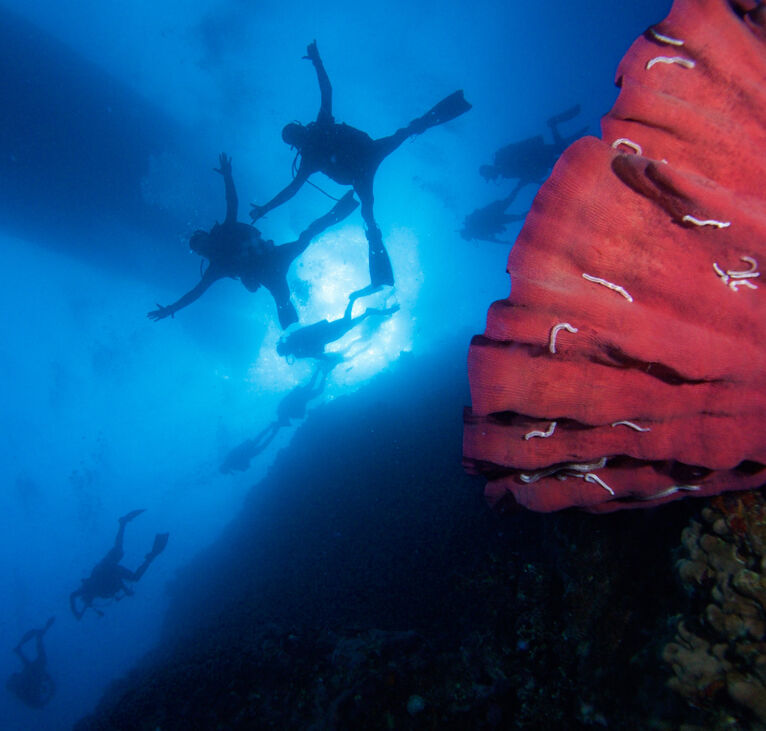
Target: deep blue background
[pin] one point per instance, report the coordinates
(113, 115)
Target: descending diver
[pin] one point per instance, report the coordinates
(108, 578)
(292, 406)
(307, 342)
(351, 157)
(33, 685)
(489, 222)
(531, 160)
(238, 250)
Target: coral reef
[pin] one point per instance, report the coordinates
(719, 653)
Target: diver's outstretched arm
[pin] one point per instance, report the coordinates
(301, 176)
(187, 299)
(231, 192)
(325, 88)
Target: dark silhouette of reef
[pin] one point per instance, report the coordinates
(365, 584)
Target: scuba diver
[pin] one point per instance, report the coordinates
(532, 159)
(306, 342)
(350, 156)
(237, 250)
(310, 340)
(489, 222)
(292, 406)
(108, 578)
(33, 685)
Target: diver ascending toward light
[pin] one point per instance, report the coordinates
(238, 250)
(351, 157)
(108, 577)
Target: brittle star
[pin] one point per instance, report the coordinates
(544, 434)
(561, 471)
(687, 63)
(706, 222)
(555, 331)
(666, 39)
(670, 491)
(631, 425)
(610, 285)
(735, 278)
(628, 143)
(596, 480)
(593, 478)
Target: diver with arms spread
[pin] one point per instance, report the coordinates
(351, 157)
(238, 250)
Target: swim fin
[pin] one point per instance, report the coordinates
(564, 116)
(132, 514)
(380, 267)
(160, 541)
(448, 108)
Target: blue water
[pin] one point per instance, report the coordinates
(113, 118)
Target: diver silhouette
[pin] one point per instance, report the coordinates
(310, 341)
(306, 342)
(292, 406)
(108, 577)
(532, 159)
(238, 251)
(489, 222)
(33, 685)
(350, 156)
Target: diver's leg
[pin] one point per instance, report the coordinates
(19, 648)
(512, 195)
(279, 290)
(558, 119)
(380, 265)
(363, 292)
(116, 553)
(27, 636)
(160, 541)
(448, 108)
(41, 658)
(336, 214)
(384, 146)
